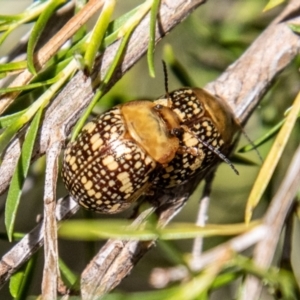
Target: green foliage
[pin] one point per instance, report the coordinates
(37, 30)
(21, 280)
(273, 3)
(95, 230)
(96, 38)
(18, 179)
(151, 47)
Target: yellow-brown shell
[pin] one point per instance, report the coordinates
(104, 171)
(109, 165)
(142, 144)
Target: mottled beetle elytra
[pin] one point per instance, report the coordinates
(142, 145)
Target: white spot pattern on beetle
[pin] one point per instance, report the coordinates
(105, 169)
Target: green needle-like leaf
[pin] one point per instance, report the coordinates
(67, 274)
(13, 66)
(173, 254)
(272, 3)
(112, 35)
(98, 33)
(295, 27)
(7, 33)
(102, 229)
(37, 30)
(8, 19)
(42, 101)
(272, 159)
(114, 26)
(5, 121)
(266, 137)
(99, 93)
(20, 174)
(124, 32)
(34, 111)
(151, 46)
(29, 86)
(19, 282)
(239, 159)
(32, 12)
(177, 68)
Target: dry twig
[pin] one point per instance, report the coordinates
(274, 221)
(51, 270)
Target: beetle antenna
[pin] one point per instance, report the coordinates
(237, 122)
(251, 143)
(166, 78)
(220, 155)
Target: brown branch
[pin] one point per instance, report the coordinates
(265, 236)
(51, 270)
(202, 217)
(245, 82)
(42, 56)
(274, 221)
(32, 241)
(236, 244)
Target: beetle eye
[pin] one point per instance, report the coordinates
(178, 132)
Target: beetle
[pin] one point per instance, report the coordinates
(143, 145)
